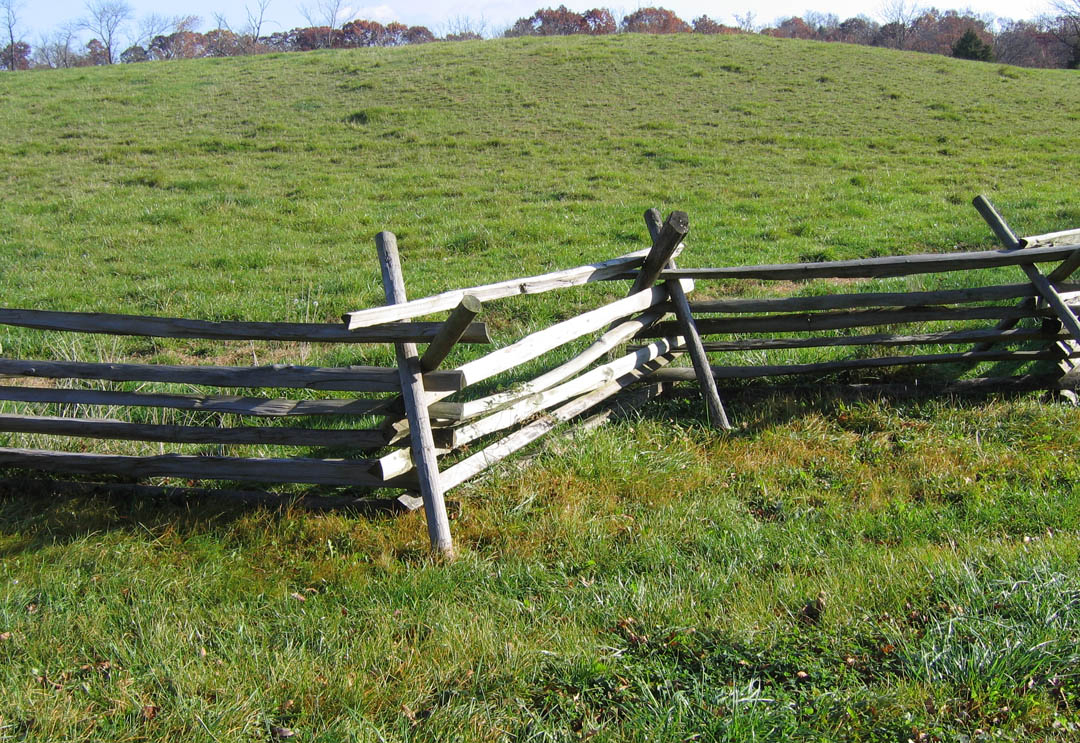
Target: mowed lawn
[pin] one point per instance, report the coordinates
(831, 570)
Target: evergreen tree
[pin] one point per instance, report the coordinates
(970, 46)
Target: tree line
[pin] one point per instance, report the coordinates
(1052, 40)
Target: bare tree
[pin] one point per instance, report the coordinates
(747, 22)
(897, 17)
(9, 13)
(55, 49)
(1066, 28)
(104, 20)
(249, 36)
(1067, 7)
(464, 28)
(823, 24)
(328, 14)
(256, 19)
(154, 25)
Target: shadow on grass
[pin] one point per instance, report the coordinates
(36, 511)
(763, 403)
(39, 511)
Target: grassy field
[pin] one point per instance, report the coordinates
(832, 570)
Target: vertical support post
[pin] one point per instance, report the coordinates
(412, 392)
(393, 426)
(714, 407)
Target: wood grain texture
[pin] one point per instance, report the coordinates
(175, 327)
(254, 406)
(307, 501)
(812, 322)
(619, 334)
(542, 341)
(830, 367)
(346, 378)
(477, 463)
(867, 299)
(947, 337)
(450, 334)
(411, 381)
(868, 268)
(454, 438)
(311, 471)
(716, 415)
(1041, 283)
(663, 249)
(606, 270)
(93, 428)
(1062, 237)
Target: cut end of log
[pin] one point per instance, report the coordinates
(409, 501)
(444, 381)
(679, 221)
(472, 303)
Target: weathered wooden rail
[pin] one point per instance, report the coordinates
(773, 324)
(441, 427)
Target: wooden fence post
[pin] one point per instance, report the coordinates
(452, 330)
(665, 243)
(412, 391)
(714, 407)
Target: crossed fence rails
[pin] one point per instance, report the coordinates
(432, 418)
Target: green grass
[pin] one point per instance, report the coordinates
(644, 581)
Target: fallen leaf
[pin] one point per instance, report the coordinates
(281, 733)
(5, 636)
(298, 596)
(149, 711)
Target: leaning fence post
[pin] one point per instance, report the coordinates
(412, 392)
(1042, 284)
(1067, 268)
(452, 330)
(713, 405)
(665, 242)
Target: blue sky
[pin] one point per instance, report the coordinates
(39, 16)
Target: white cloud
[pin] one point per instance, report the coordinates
(380, 13)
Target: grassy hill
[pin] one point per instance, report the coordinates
(654, 580)
(519, 155)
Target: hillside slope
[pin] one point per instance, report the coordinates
(215, 187)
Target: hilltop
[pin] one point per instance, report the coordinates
(498, 158)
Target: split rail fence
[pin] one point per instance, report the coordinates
(1043, 303)
(433, 419)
